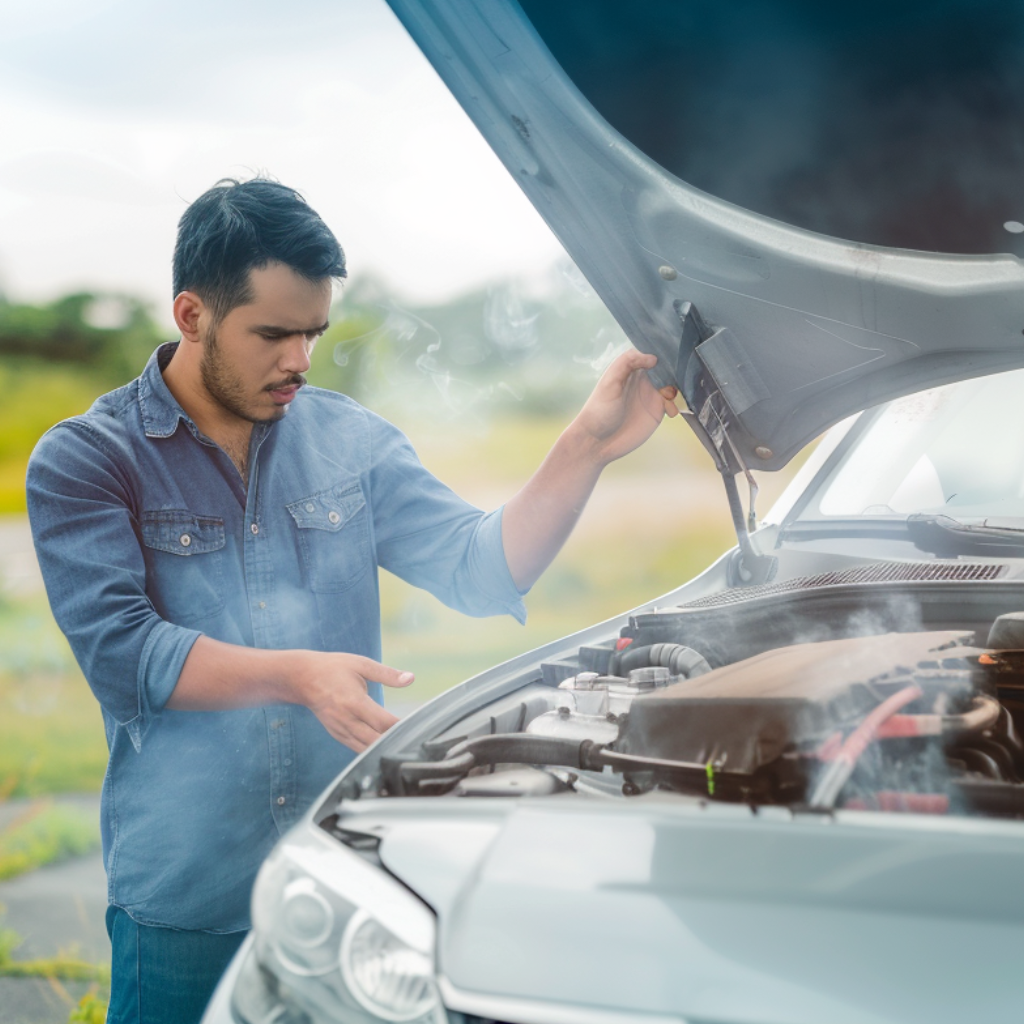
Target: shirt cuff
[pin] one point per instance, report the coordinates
(163, 657)
(492, 566)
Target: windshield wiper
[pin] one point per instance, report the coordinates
(944, 536)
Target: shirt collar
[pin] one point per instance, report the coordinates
(160, 410)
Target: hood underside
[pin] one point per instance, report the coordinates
(772, 332)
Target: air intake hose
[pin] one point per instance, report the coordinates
(679, 659)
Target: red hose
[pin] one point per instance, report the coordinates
(858, 740)
(830, 785)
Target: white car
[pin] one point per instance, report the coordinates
(791, 790)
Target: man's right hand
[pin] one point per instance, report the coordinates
(218, 676)
(333, 687)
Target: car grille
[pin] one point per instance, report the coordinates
(878, 572)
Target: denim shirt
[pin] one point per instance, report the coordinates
(148, 538)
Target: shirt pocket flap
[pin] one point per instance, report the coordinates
(180, 532)
(328, 510)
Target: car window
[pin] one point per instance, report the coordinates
(892, 122)
(956, 450)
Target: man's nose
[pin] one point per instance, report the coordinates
(296, 356)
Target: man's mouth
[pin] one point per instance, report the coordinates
(284, 392)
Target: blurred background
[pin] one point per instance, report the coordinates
(462, 321)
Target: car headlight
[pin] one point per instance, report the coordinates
(336, 941)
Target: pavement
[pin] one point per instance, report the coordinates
(56, 910)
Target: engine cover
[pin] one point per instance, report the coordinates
(744, 716)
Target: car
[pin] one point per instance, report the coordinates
(792, 789)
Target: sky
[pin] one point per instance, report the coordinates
(116, 113)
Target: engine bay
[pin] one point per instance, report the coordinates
(821, 701)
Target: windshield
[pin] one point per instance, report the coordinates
(956, 450)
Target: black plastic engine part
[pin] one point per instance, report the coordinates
(745, 716)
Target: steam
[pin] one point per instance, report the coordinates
(507, 346)
(508, 324)
(400, 354)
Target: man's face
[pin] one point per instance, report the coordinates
(254, 360)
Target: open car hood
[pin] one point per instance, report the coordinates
(771, 332)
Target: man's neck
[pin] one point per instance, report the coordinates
(229, 432)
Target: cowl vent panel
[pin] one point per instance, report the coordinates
(876, 572)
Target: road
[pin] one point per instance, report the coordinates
(57, 909)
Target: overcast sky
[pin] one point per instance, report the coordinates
(115, 113)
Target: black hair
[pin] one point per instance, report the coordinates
(236, 227)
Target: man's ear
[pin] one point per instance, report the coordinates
(189, 310)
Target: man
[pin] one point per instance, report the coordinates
(210, 536)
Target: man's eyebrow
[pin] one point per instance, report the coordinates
(277, 331)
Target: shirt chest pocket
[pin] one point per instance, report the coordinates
(333, 536)
(184, 555)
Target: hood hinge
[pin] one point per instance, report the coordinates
(709, 422)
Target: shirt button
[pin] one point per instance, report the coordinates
(185, 540)
(255, 528)
(310, 507)
(280, 801)
(263, 604)
(287, 762)
(334, 517)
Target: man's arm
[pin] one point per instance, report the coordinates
(621, 413)
(217, 676)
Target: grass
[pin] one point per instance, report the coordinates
(45, 834)
(37, 398)
(51, 731)
(91, 1008)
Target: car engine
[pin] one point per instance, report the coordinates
(775, 703)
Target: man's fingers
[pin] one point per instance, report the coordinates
(377, 718)
(370, 669)
(357, 735)
(358, 724)
(669, 394)
(629, 362)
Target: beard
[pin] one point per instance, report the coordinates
(229, 391)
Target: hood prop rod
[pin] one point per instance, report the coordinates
(752, 566)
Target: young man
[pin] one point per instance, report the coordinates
(210, 536)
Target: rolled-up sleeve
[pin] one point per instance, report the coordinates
(432, 538)
(86, 534)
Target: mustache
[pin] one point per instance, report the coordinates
(296, 379)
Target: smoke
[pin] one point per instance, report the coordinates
(533, 346)
(889, 613)
(401, 354)
(509, 324)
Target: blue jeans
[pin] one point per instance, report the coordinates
(161, 975)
